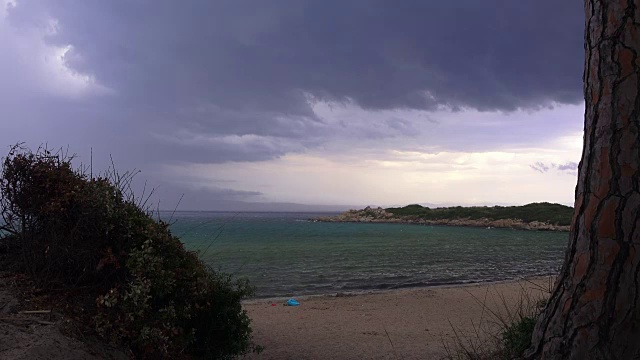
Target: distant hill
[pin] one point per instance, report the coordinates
(555, 214)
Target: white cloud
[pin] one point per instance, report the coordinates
(5, 6)
(34, 67)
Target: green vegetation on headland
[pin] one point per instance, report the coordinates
(535, 216)
(554, 214)
(87, 240)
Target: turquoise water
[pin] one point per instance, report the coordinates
(283, 254)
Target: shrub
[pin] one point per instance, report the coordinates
(516, 337)
(171, 302)
(152, 295)
(506, 333)
(544, 212)
(65, 221)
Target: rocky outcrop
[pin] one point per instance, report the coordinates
(380, 215)
(367, 214)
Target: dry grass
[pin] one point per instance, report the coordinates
(505, 327)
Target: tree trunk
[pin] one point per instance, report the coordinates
(594, 310)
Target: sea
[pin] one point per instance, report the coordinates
(289, 254)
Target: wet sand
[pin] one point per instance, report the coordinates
(399, 324)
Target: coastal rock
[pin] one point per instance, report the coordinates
(367, 214)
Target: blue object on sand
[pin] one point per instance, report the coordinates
(293, 302)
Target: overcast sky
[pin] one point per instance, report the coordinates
(241, 104)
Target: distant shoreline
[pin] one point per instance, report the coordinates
(387, 216)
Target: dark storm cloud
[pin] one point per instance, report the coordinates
(499, 54)
(168, 59)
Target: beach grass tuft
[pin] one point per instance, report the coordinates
(505, 332)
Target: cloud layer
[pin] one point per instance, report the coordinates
(212, 82)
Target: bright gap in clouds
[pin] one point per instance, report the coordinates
(443, 161)
(32, 66)
(5, 6)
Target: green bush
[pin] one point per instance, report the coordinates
(506, 332)
(172, 302)
(67, 223)
(152, 295)
(516, 337)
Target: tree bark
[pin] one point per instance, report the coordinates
(594, 309)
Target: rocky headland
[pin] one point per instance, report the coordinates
(380, 215)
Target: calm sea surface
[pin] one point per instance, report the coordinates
(283, 254)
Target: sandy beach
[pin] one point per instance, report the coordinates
(399, 324)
